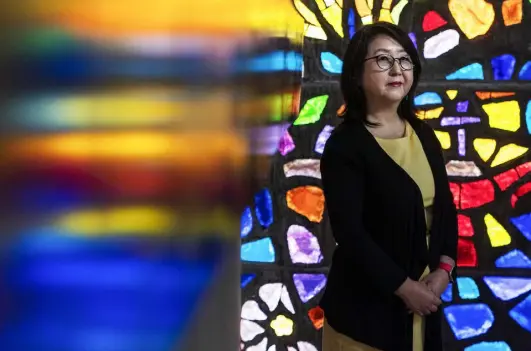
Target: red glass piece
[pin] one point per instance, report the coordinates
(465, 225)
(466, 253)
(507, 178)
(475, 194)
(316, 315)
(456, 191)
(432, 20)
(524, 189)
(514, 198)
(524, 169)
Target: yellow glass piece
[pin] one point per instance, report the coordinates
(305, 12)
(386, 4)
(315, 32)
(397, 11)
(340, 3)
(485, 147)
(512, 12)
(430, 114)
(451, 94)
(334, 16)
(385, 16)
(444, 139)
(474, 17)
(503, 115)
(364, 8)
(497, 234)
(282, 326)
(321, 4)
(507, 153)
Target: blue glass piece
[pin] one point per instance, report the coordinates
(489, 346)
(523, 223)
(428, 98)
(462, 106)
(351, 23)
(277, 61)
(467, 321)
(503, 67)
(525, 72)
(413, 38)
(264, 207)
(528, 116)
(507, 288)
(331, 63)
(258, 251)
(447, 294)
(309, 285)
(246, 222)
(472, 71)
(521, 313)
(467, 287)
(513, 259)
(246, 279)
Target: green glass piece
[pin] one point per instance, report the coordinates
(311, 112)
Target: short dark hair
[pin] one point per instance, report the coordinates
(353, 63)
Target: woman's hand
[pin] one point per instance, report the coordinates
(418, 298)
(437, 281)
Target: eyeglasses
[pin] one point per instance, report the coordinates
(385, 62)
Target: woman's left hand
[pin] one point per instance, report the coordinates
(437, 281)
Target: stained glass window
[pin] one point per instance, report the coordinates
(476, 93)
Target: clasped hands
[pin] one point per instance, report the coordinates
(423, 297)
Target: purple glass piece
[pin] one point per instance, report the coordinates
(303, 246)
(461, 139)
(308, 285)
(265, 140)
(462, 106)
(450, 121)
(286, 144)
(413, 38)
(322, 138)
(468, 120)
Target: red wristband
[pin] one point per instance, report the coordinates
(446, 267)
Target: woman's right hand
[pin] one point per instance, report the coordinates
(418, 297)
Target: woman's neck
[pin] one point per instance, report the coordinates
(383, 115)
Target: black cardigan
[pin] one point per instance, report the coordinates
(377, 217)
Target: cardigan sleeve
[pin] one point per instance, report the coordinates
(343, 179)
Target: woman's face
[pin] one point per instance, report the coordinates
(385, 79)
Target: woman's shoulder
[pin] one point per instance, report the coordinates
(348, 138)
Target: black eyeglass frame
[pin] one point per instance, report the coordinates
(394, 60)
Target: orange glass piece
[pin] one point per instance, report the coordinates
(512, 12)
(316, 315)
(483, 95)
(308, 201)
(474, 17)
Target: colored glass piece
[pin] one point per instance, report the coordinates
(525, 72)
(523, 223)
(430, 114)
(307, 201)
(258, 251)
(503, 115)
(441, 43)
(286, 144)
(475, 194)
(351, 23)
(323, 138)
(451, 94)
(308, 285)
(303, 168)
(521, 313)
(397, 10)
(246, 222)
(467, 287)
(474, 17)
(432, 20)
(274, 293)
(428, 98)
(512, 12)
(461, 142)
(507, 153)
(485, 147)
(277, 61)
(489, 346)
(466, 253)
(505, 179)
(264, 207)
(524, 189)
(467, 321)
(315, 32)
(457, 121)
(249, 330)
(523, 169)
(464, 225)
(282, 325)
(483, 95)
(246, 279)
(462, 106)
(444, 139)
(468, 120)
(331, 63)
(303, 245)
(513, 259)
(458, 168)
(507, 288)
(413, 38)
(456, 192)
(503, 67)
(528, 116)
(311, 112)
(472, 71)
(251, 311)
(316, 315)
(447, 294)
(334, 16)
(497, 234)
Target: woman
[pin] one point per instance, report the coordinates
(389, 203)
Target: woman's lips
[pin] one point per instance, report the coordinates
(395, 84)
